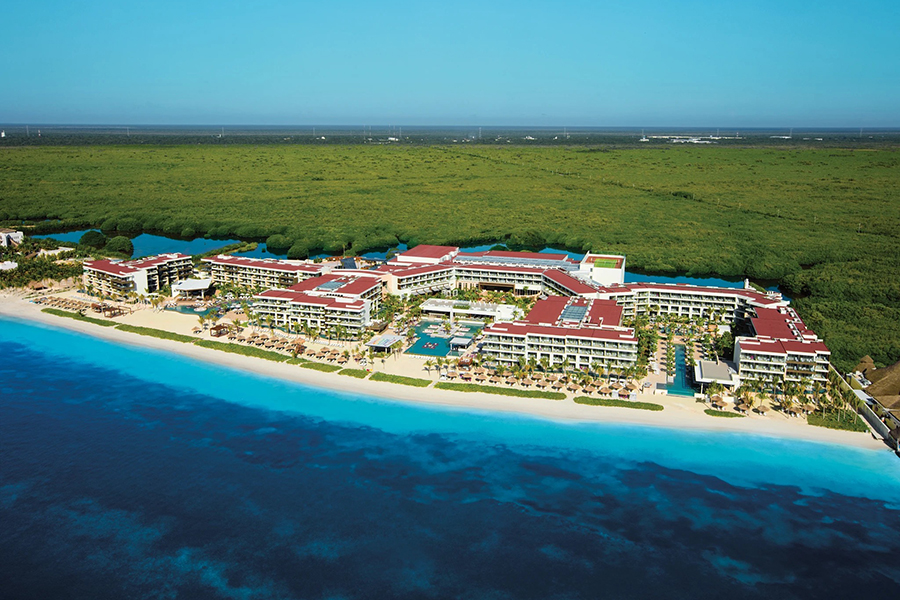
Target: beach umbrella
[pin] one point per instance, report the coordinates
(631, 386)
(465, 376)
(719, 404)
(716, 399)
(616, 386)
(557, 385)
(495, 379)
(479, 370)
(511, 380)
(763, 409)
(551, 377)
(573, 387)
(809, 408)
(452, 374)
(342, 359)
(605, 391)
(541, 384)
(527, 381)
(590, 389)
(480, 377)
(743, 407)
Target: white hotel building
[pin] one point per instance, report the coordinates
(260, 273)
(143, 276)
(585, 332)
(324, 303)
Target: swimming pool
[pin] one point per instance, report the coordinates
(433, 345)
(679, 385)
(190, 310)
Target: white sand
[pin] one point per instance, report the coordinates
(679, 413)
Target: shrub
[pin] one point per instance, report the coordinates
(278, 242)
(618, 403)
(120, 245)
(487, 389)
(317, 366)
(79, 317)
(844, 419)
(157, 333)
(722, 413)
(358, 373)
(380, 376)
(94, 239)
(242, 350)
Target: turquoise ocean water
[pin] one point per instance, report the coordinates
(126, 472)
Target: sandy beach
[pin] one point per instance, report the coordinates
(679, 413)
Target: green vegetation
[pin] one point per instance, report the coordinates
(79, 317)
(317, 366)
(227, 249)
(381, 376)
(37, 269)
(157, 333)
(242, 350)
(722, 413)
(617, 403)
(358, 373)
(487, 389)
(821, 221)
(844, 419)
(120, 245)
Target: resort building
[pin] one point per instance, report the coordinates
(729, 304)
(332, 304)
(425, 254)
(144, 276)
(257, 273)
(781, 349)
(10, 237)
(580, 332)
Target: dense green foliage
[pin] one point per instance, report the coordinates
(37, 269)
(722, 413)
(381, 376)
(358, 373)
(157, 333)
(242, 350)
(79, 317)
(488, 389)
(844, 419)
(823, 221)
(120, 245)
(617, 403)
(317, 366)
(94, 239)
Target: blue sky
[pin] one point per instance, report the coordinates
(630, 63)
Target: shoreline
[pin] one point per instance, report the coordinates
(18, 308)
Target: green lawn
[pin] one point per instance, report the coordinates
(722, 413)
(78, 317)
(846, 420)
(618, 403)
(381, 376)
(822, 221)
(488, 389)
(605, 263)
(317, 366)
(358, 373)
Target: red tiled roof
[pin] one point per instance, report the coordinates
(303, 298)
(574, 285)
(122, 268)
(427, 251)
(263, 263)
(523, 329)
(547, 310)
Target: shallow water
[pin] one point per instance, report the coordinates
(126, 472)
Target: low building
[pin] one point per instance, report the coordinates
(10, 237)
(260, 273)
(581, 332)
(604, 269)
(456, 309)
(143, 276)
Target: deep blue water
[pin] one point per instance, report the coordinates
(127, 473)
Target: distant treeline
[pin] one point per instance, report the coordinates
(822, 222)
